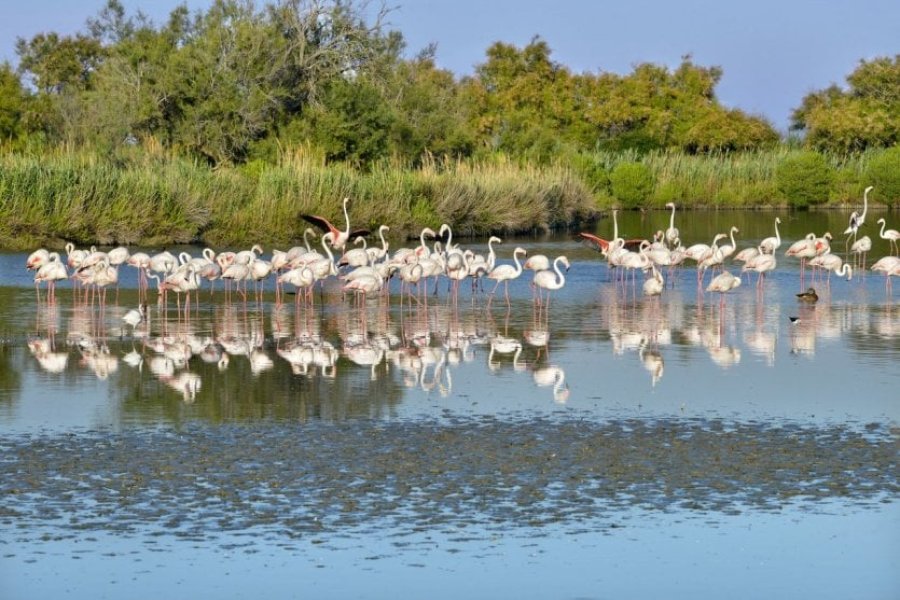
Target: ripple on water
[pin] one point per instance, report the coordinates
(411, 476)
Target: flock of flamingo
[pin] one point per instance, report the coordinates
(666, 250)
(366, 269)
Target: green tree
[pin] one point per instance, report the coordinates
(352, 123)
(429, 115)
(866, 115)
(521, 101)
(653, 108)
(13, 99)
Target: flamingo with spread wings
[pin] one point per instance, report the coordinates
(339, 238)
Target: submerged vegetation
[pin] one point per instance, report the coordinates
(225, 124)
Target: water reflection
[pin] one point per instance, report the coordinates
(420, 346)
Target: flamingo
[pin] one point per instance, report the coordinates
(746, 254)
(551, 280)
(140, 261)
(833, 262)
(706, 256)
(861, 247)
(37, 259)
(411, 255)
(376, 253)
(184, 281)
(51, 271)
(890, 266)
(762, 264)
(723, 283)
(74, 257)
(655, 284)
(504, 273)
(862, 217)
(458, 272)
(537, 262)
(770, 244)
(803, 249)
(356, 257)
(296, 256)
(365, 285)
(300, 278)
(728, 249)
(856, 220)
(672, 232)
(892, 235)
(339, 238)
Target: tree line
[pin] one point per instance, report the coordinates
(237, 82)
(222, 125)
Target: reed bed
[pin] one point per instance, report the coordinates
(156, 201)
(153, 199)
(729, 180)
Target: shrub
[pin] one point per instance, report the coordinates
(804, 179)
(592, 171)
(883, 172)
(632, 183)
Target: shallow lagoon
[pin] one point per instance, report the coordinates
(624, 447)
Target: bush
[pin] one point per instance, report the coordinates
(804, 179)
(884, 173)
(592, 172)
(632, 183)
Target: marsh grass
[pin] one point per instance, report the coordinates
(149, 198)
(729, 180)
(157, 200)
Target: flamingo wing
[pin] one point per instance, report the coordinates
(359, 233)
(602, 245)
(633, 244)
(321, 222)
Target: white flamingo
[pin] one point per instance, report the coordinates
(672, 232)
(505, 273)
(550, 280)
(892, 235)
(770, 244)
(861, 248)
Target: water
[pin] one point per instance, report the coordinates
(615, 446)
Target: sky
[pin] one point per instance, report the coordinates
(772, 52)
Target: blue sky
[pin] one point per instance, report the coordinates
(773, 52)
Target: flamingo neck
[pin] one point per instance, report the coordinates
(346, 217)
(562, 278)
(518, 265)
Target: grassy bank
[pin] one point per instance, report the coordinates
(741, 180)
(151, 199)
(159, 201)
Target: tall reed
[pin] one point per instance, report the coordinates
(158, 200)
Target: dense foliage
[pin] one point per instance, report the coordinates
(804, 179)
(228, 121)
(236, 82)
(866, 115)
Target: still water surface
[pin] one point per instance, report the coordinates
(616, 446)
